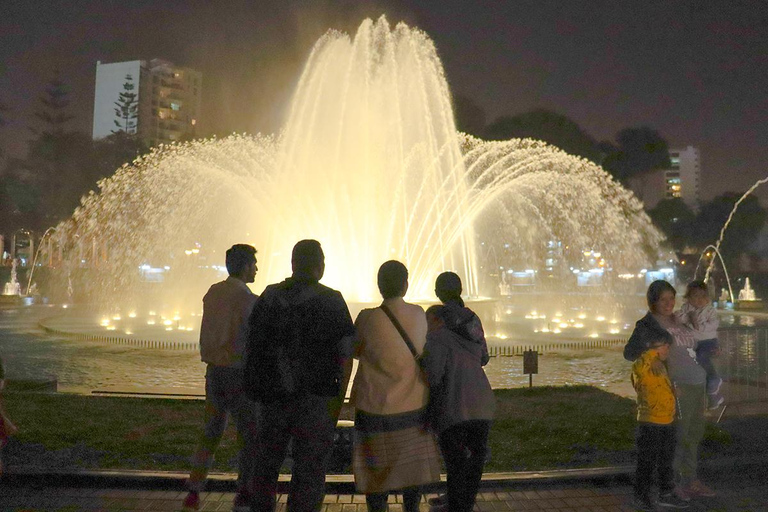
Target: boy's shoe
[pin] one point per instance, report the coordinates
(643, 504)
(191, 502)
(715, 401)
(242, 503)
(669, 500)
(697, 488)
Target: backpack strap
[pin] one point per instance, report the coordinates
(402, 332)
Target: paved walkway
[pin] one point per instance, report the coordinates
(737, 493)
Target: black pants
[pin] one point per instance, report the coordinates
(377, 502)
(308, 422)
(464, 447)
(655, 450)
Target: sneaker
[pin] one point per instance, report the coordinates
(715, 402)
(191, 502)
(697, 488)
(643, 504)
(438, 500)
(242, 503)
(669, 500)
(681, 493)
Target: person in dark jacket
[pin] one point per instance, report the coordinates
(461, 401)
(457, 316)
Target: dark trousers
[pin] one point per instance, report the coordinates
(309, 422)
(655, 450)
(464, 447)
(705, 349)
(377, 501)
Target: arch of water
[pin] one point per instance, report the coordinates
(370, 164)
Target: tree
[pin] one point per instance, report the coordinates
(553, 128)
(54, 115)
(470, 117)
(127, 108)
(57, 162)
(638, 150)
(675, 219)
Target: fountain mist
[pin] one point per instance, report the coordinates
(370, 164)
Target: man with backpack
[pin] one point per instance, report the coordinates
(299, 362)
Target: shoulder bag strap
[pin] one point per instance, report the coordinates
(402, 332)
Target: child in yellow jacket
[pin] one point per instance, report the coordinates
(655, 429)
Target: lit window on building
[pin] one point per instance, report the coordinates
(175, 106)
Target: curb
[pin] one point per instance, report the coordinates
(225, 482)
(21, 476)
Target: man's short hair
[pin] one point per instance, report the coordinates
(238, 257)
(307, 255)
(392, 279)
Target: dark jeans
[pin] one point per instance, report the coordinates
(705, 349)
(377, 502)
(655, 450)
(464, 447)
(308, 421)
(224, 396)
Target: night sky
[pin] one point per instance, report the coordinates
(696, 71)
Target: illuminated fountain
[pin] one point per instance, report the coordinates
(747, 297)
(12, 287)
(370, 164)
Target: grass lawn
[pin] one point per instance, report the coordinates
(539, 428)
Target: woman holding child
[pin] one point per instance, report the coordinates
(661, 325)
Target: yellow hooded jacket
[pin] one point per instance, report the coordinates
(655, 397)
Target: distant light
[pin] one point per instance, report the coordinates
(593, 335)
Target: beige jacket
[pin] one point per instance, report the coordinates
(223, 332)
(388, 379)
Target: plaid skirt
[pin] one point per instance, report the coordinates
(393, 452)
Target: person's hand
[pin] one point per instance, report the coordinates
(657, 367)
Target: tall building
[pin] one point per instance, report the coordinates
(680, 180)
(167, 96)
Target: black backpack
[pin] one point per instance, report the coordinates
(277, 359)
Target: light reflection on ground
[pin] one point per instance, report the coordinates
(85, 366)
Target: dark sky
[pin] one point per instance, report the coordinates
(697, 71)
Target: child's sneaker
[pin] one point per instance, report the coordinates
(669, 500)
(713, 402)
(191, 502)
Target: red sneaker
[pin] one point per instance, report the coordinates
(191, 502)
(697, 488)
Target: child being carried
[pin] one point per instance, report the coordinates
(698, 313)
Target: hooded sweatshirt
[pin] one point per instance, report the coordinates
(655, 398)
(459, 388)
